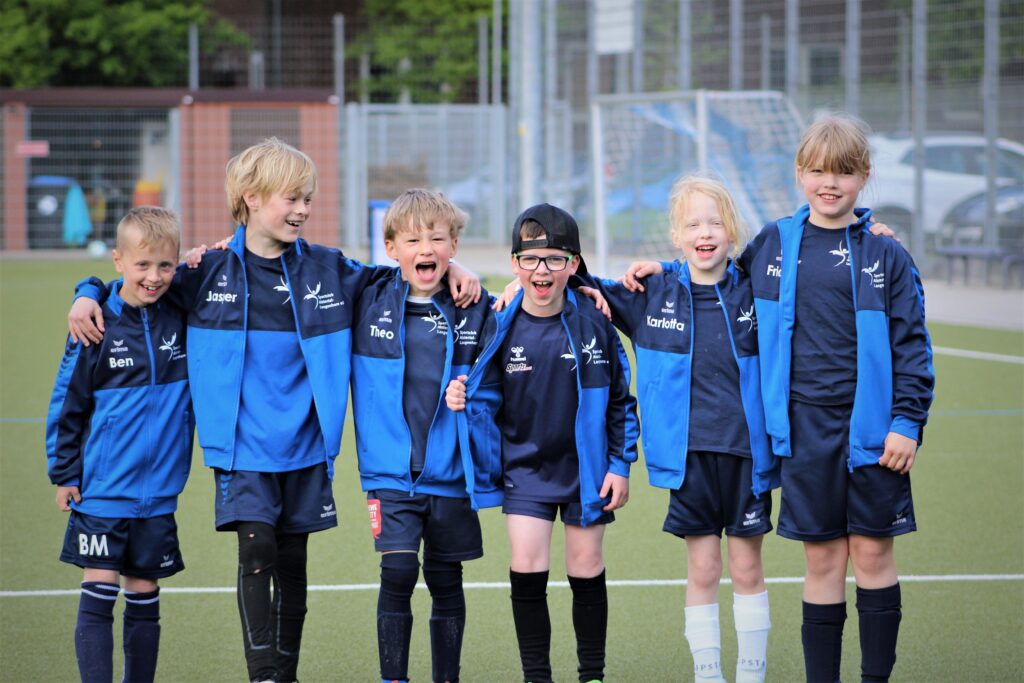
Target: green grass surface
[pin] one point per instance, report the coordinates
(968, 485)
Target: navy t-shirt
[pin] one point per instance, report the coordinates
(824, 369)
(277, 430)
(717, 421)
(538, 416)
(425, 334)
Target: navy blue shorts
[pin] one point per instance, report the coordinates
(293, 502)
(716, 496)
(145, 548)
(448, 527)
(821, 499)
(571, 512)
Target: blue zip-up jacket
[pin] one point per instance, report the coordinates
(606, 422)
(383, 441)
(120, 423)
(895, 378)
(323, 287)
(659, 322)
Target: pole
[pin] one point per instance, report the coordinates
(853, 57)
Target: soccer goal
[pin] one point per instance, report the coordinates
(641, 143)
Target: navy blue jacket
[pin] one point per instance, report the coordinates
(120, 424)
(659, 321)
(606, 421)
(383, 441)
(895, 377)
(324, 287)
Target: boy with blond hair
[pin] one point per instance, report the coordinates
(119, 448)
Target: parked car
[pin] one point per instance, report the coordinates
(954, 171)
(965, 223)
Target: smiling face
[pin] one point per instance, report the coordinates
(703, 238)
(831, 195)
(276, 220)
(543, 288)
(147, 267)
(423, 254)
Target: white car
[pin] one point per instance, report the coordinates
(954, 170)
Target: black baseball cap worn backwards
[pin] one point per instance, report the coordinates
(560, 231)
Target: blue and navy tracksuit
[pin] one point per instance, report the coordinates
(660, 324)
(894, 375)
(390, 449)
(321, 287)
(605, 421)
(120, 424)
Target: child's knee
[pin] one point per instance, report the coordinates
(257, 548)
(398, 573)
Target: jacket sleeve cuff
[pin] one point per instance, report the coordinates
(619, 466)
(906, 427)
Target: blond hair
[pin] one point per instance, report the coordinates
(155, 225)
(836, 143)
(678, 205)
(265, 168)
(418, 208)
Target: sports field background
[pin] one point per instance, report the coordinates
(963, 572)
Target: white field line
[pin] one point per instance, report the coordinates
(978, 355)
(625, 583)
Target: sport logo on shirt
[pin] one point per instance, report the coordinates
(518, 362)
(842, 253)
(593, 354)
(437, 322)
(877, 276)
(321, 301)
(569, 356)
(173, 350)
(283, 287)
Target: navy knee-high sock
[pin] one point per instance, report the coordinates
(289, 606)
(822, 634)
(590, 621)
(447, 617)
(533, 624)
(94, 631)
(257, 560)
(398, 574)
(880, 613)
(141, 635)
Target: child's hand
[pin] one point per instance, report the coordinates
(618, 486)
(455, 394)
(195, 255)
(80, 321)
(65, 494)
(882, 229)
(507, 294)
(638, 270)
(899, 454)
(599, 301)
(464, 285)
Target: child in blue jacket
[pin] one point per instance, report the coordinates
(270, 336)
(119, 448)
(408, 340)
(552, 429)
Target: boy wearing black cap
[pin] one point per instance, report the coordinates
(551, 417)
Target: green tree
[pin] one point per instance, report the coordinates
(104, 42)
(428, 49)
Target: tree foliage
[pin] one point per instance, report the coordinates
(427, 49)
(104, 42)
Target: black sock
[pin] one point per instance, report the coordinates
(257, 560)
(880, 613)
(533, 624)
(94, 632)
(398, 574)
(822, 634)
(590, 621)
(447, 617)
(141, 636)
(289, 607)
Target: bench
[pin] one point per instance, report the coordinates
(1006, 257)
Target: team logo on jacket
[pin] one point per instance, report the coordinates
(463, 336)
(518, 362)
(842, 253)
(117, 346)
(670, 308)
(283, 287)
(437, 323)
(172, 348)
(321, 301)
(593, 354)
(749, 317)
(877, 276)
(223, 281)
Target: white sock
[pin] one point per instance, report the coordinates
(752, 626)
(705, 642)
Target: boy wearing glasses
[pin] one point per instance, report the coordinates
(550, 413)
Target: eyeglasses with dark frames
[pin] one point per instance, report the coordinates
(553, 263)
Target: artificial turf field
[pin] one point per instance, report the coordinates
(963, 571)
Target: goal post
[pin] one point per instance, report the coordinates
(641, 143)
